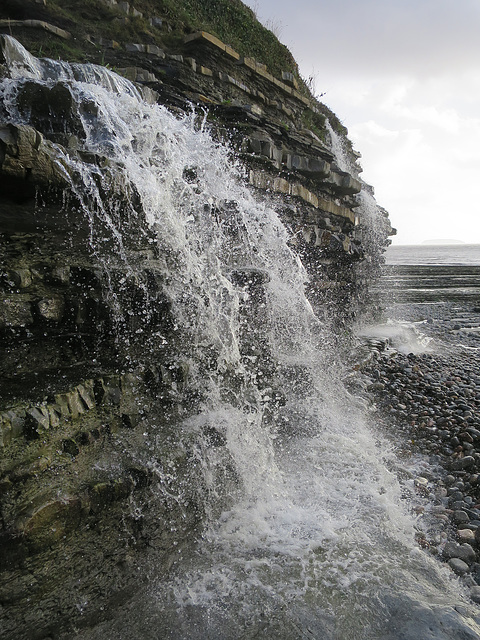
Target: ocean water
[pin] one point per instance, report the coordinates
(434, 255)
(431, 298)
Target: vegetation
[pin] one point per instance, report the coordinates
(237, 25)
(336, 124)
(230, 20)
(315, 122)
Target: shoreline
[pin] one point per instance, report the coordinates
(431, 404)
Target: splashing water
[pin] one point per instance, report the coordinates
(313, 539)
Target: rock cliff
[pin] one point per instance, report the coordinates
(79, 386)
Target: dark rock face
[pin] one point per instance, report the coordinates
(79, 388)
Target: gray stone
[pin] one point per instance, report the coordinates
(17, 419)
(142, 75)
(463, 463)
(299, 163)
(156, 22)
(459, 566)
(5, 430)
(61, 274)
(350, 185)
(38, 419)
(28, 155)
(469, 581)
(61, 405)
(132, 47)
(107, 391)
(320, 168)
(290, 79)
(108, 44)
(454, 494)
(86, 394)
(36, 24)
(466, 535)
(55, 414)
(460, 516)
(463, 551)
(75, 405)
(135, 48)
(152, 49)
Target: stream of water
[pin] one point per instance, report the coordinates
(314, 538)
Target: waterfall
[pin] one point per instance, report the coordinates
(309, 535)
(374, 226)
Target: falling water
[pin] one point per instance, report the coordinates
(309, 536)
(374, 224)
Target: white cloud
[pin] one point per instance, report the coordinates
(404, 78)
(371, 130)
(446, 119)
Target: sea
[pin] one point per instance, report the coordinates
(430, 295)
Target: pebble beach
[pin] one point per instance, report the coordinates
(428, 400)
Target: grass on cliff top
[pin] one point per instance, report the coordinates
(230, 20)
(236, 24)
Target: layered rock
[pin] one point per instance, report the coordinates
(79, 387)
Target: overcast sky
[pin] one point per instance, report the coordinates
(404, 78)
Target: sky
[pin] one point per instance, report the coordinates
(404, 77)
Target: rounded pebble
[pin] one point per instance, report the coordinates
(459, 566)
(466, 535)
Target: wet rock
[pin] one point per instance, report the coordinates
(463, 463)
(86, 394)
(37, 421)
(460, 516)
(101, 495)
(60, 275)
(107, 391)
(70, 447)
(458, 566)
(51, 109)
(463, 551)
(30, 159)
(52, 308)
(466, 535)
(51, 522)
(20, 278)
(75, 404)
(475, 594)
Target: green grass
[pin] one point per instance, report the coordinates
(236, 25)
(230, 20)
